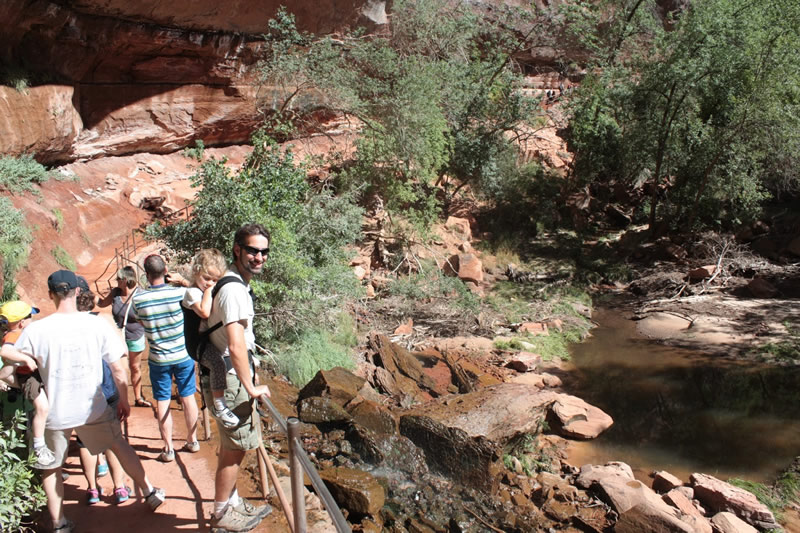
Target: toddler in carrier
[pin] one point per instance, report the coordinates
(207, 267)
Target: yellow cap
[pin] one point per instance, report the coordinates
(17, 310)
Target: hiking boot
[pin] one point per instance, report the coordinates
(225, 416)
(155, 498)
(122, 494)
(249, 509)
(233, 521)
(44, 456)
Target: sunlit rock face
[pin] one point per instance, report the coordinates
(125, 77)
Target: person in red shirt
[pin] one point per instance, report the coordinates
(17, 314)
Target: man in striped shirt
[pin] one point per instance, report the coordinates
(159, 310)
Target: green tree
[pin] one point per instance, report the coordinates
(438, 98)
(700, 106)
(306, 274)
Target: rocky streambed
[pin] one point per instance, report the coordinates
(454, 440)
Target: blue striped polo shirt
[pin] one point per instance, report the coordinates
(158, 309)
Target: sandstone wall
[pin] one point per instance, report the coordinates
(115, 77)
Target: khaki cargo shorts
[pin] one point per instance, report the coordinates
(245, 436)
(97, 436)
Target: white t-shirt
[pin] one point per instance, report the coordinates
(193, 296)
(69, 349)
(232, 304)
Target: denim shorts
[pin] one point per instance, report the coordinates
(161, 379)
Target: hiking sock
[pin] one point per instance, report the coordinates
(219, 508)
(38, 442)
(219, 404)
(234, 499)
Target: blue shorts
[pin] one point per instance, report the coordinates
(161, 379)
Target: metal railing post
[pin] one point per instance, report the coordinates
(296, 473)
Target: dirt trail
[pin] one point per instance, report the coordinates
(189, 480)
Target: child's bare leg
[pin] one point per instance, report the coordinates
(117, 472)
(41, 408)
(8, 378)
(89, 465)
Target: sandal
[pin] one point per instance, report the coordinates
(141, 402)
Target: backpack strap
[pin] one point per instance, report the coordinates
(205, 336)
(221, 283)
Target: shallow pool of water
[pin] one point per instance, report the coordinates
(683, 411)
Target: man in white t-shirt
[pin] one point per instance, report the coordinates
(68, 347)
(233, 308)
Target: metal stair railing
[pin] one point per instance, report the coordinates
(123, 256)
(298, 464)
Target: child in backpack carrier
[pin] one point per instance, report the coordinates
(208, 266)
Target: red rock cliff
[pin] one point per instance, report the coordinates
(142, 76)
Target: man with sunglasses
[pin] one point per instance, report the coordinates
(233, 309)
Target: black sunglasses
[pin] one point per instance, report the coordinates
(255, 251)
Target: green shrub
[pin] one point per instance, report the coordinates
(783, 350)
(306, 279)
(766, 495)
(22, 494)
(430, 284)
(196, 152)
(59, 216)
(15, 237)
(63, 258)
(314, 350)
(20, 174)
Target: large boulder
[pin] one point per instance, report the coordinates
(400, 362)
(663, 481)
(318, 410)
(477, 425)
(577, 419)
(690, 514)
(719, 496)
(373, 416)
(730, 523)
(355, 490)
(466, 266)
(590, 474)
(338, 384)
(645, 519)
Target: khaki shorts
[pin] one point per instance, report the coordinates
(245, 436)
(97, 436)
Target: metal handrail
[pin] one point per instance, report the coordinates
(297, 452)
(122, 257)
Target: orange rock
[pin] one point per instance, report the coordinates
(702, 272)
(41, 121)
(460, 225)
(470, 268)
(406, 328)
(761, 288)
(536, 328)
(360, 272)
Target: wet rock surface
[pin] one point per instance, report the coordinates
(479, 460)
